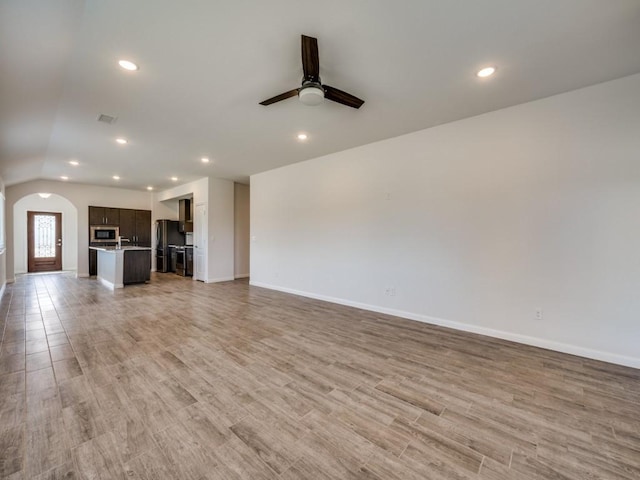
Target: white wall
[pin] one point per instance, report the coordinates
(165, 203)
(475, 224)
(241, 230)
(55, 203)
(220, 230)
(81, 196)
(165, 210)
(199, 189)
(3, 239)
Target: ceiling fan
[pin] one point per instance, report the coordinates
(312, 91)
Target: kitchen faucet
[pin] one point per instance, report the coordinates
(120, 240)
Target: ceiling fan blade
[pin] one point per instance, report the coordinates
(341, 97)
(282, 96)
(310, 59)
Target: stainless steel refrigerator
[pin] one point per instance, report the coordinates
(167, 233)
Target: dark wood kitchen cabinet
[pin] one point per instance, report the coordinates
(93, 263)
(137, 266)
(112, 216)
(185, 220)
(136, 226)
(143, 228)
(128, 224)
(96, 215)
(104, 216)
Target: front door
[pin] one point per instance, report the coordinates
(44, 238)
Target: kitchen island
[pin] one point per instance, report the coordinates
(118, 267)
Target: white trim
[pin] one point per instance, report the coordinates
(4, 285)
(221, 279)
(3, 223)
(110, 285)
(465, 327)
(82, 275)
(11, 280)
(242, 275)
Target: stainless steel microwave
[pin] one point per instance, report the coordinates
(103, 233)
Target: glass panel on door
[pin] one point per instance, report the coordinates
(45, 236)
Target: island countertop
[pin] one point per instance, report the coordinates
(116, 249)
(118, 267)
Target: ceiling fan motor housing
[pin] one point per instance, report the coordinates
(311, 93)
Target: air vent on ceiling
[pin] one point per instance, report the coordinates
(106, 118)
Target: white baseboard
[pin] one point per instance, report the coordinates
(218, 280)
(242, 275)
(109, 284)
(82, 275)
(465, 327)
(11, 280)
(4, 285)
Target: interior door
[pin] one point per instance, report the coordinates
(44, 241)
(200, 242)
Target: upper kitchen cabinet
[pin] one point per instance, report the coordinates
(136, 226)
(143, 228)
(112, 216)
(128, 224)
(185, 217)
(104, 216)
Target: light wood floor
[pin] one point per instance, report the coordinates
(181, 380)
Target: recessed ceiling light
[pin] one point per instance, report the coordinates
(116, 177)
(128, 65)
(75, 163)
(302, 136)
(204, 160)
(486, 72)
(121, 141)
(44, 195)
(64, 177)
(149, 188)
(174, 179)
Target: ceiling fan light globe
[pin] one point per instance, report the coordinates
(311, 95)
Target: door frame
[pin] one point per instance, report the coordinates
(200, 232)
(32, 266)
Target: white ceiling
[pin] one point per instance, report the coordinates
(205, 65)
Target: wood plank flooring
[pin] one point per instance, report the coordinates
(181, 380)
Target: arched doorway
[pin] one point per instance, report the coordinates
(53, 204)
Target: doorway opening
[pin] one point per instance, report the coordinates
(44, 241)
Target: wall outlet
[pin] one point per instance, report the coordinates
(539, 314)
(390, 291)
